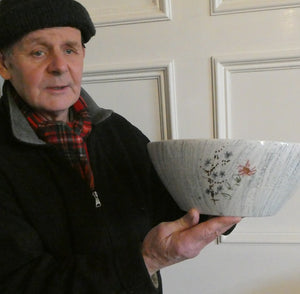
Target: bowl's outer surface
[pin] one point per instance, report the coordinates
(227, 176)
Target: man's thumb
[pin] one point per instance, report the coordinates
(190, 219)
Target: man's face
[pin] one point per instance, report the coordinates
(45, 68)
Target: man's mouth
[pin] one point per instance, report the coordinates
(57, 87)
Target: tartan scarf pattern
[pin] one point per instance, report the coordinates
(69, 137)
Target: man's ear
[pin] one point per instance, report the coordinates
(4, 72)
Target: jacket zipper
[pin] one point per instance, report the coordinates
(97, 200)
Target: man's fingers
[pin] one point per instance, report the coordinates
(223, 222)
(209, 230)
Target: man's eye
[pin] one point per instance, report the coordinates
(69, 51)
(38, 53)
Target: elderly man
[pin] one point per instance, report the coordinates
(81, 208)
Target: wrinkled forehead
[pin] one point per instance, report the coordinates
(50, 37)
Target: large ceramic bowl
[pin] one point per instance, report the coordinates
(227, 176)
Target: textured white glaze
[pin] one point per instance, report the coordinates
(227, 176)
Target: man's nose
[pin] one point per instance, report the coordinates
(57, 64)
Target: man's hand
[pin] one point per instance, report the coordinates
(172, 242)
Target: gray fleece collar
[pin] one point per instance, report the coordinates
(24, 132)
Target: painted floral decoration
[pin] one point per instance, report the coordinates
(245, 170)
(218, 183)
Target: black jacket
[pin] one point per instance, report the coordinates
(52, 237)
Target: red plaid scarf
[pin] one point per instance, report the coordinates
(69, 137)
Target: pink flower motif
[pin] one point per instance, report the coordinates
(245, 170)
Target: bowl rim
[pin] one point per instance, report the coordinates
(228, 140)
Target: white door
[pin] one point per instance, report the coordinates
(200, 68)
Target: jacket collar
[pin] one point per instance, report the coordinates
(23, 131)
